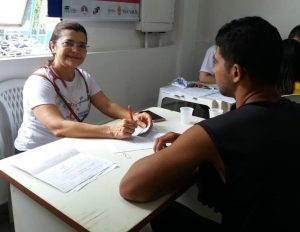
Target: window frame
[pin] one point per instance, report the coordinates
(14, 13)
(31, 38)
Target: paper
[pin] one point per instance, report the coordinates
(136, 143)
(189, 92)
(140, 130)
(66, 170)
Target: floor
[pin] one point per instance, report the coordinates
(147, 228)
(5, 225)
(189, 198)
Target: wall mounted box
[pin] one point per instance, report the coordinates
(156, 15)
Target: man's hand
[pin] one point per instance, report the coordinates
(162, 142)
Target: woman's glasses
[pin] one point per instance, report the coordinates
(71, 44)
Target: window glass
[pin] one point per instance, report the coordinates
(30, 38)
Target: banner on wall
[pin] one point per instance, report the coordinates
(122, 10)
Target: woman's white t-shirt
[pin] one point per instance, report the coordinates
(39, 91)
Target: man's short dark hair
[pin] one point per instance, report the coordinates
(254, 44)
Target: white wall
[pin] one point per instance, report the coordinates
(127, 72)
(282, 14)
(126, 76)
(131, 74)
(186, 38)
(213, 14)
(112, 36)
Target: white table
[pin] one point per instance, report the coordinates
(209, 97)
(98, 206)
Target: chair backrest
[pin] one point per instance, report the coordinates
(4, 139)
(293, 97)
(11, 99)
(11, 117)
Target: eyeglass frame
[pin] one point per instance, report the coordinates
(71, 43)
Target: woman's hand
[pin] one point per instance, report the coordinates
(143, 119)
(123, 129)
(161, 142)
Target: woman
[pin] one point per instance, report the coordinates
(290, 67)
(57, 97)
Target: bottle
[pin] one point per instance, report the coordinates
(296, 87)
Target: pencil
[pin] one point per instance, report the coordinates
(130, 112)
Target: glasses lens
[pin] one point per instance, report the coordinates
(71, 44)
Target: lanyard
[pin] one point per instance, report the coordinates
(57, 90)
(55, 77)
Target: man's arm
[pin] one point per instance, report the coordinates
(154, 175)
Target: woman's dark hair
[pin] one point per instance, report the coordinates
(255, 45)
(290, 66)
(65, 25)
(295, 32)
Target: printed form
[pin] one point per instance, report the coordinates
(67, 169)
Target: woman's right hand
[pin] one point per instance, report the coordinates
(161, 142)
(123, 129)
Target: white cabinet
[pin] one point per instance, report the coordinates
(156, 15)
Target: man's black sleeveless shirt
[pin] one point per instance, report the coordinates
(259, 144)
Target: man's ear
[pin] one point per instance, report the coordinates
(237, 73)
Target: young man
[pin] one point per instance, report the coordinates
(251, 147)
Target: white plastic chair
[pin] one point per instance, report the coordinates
(293, 97)
(3, 141)
(11, 117)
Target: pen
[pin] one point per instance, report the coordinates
(206, 87)
(130, 112)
